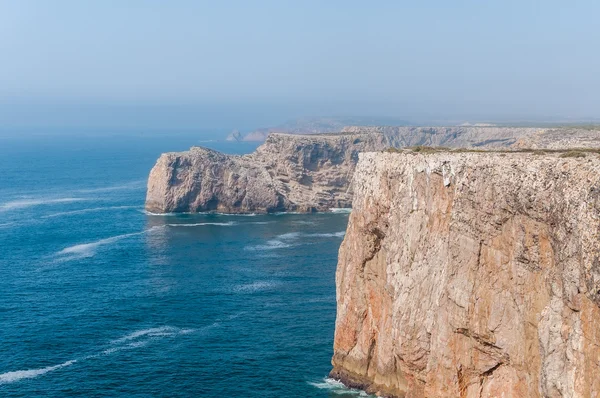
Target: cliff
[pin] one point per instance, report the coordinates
(286, 173)
(487, 136)
(471, 275)
(304, 173)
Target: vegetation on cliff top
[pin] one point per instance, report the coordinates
(563, 153)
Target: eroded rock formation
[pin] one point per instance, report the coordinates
(286, 173)
(471, 275)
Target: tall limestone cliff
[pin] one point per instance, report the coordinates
(471, 275)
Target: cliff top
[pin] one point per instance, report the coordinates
(563, 153)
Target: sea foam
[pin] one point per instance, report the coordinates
(291, 239)
(255, 286)
(11, 377)
(89, 249)
(24, 203)
(130, 341)
(222, 224)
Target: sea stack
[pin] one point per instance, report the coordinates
(466, 274)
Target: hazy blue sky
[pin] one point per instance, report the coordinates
(192, 63)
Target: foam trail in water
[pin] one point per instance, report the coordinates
(281, 242)
(23, 203)
(255, 286)
(149, 213)
(11, 377)
(131, 341)
(286, 240)
(152, 332)
(223, 224)
(89, 249)
(91, 210)
(339, 234)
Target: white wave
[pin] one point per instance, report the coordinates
(24, 203)
(337, 387)
(152, 332)
(7, 224)
(11, 377)
(289, 235)
(281, 242)
(269, 245)
(339, 234)
(287, 240)
(255, 286)
(127, 186)
(223, 224)
(303, 222)
(89, 249)
(341, 210)
(91, 210)
(149, 213)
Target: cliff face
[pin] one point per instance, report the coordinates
(286, 173)
(486, 136)
(471, 275)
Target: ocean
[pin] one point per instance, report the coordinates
(99, 298)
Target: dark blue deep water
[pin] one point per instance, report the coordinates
(98, 298)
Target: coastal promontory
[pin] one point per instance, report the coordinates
(286, 173)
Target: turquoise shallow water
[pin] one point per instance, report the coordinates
(98, 298)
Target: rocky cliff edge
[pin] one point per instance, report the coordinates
(471, 275)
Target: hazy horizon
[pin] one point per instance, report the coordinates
(187, 64)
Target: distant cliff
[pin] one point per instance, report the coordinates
(286, 173)
(471, 275)
(487, 136)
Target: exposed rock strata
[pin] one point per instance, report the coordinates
(286, 173)
(471, 275)
(487, 136)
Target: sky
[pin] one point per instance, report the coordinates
(197, 64)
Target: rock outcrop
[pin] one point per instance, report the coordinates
(286, 173)
(471, 275)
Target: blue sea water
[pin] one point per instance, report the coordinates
(98, 298)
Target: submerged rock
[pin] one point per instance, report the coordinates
(471, 275)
